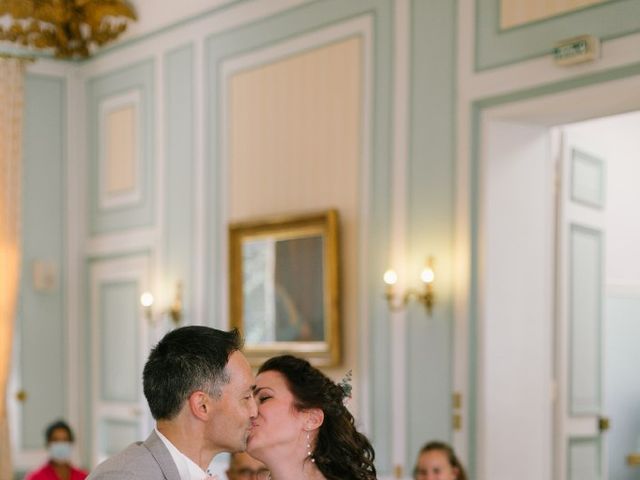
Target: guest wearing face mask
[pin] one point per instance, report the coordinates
(59, 440)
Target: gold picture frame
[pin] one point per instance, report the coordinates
(284, 286)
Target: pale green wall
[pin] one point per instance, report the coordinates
(430, 215)
(430, 184)
(41, 315)
(179, 172)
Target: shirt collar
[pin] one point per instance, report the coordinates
(187, 468)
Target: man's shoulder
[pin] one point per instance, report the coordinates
(135, 461)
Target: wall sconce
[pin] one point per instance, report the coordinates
(425, 295)
(174, 311)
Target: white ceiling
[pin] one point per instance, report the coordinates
(157, 14)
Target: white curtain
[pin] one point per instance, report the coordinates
(11, 110)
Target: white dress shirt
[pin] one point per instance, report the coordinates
(187, 468)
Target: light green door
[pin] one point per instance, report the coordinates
(579, 441)
(622, 391)
(120, 339)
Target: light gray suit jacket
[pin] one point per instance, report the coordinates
(148, 460)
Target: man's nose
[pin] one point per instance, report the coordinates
(253, 407)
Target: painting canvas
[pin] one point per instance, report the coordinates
(284, 286)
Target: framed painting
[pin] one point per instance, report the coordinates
(284, 286)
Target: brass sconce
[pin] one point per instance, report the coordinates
(425, 295)
(174, 311)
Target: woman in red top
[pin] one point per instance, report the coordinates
(59, 438)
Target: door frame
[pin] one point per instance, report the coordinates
(597, 95)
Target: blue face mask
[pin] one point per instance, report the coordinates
(60, 451)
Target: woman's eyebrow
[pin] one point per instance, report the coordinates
(259, 389)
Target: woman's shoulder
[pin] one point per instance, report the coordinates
(42, 473)
(46, 472)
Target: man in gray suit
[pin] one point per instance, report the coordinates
(199, 387)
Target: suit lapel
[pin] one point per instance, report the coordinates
(159, 451)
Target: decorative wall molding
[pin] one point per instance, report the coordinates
(132, 85)
(119, 151)
(176, 202)
(497, 48)
(516, 13)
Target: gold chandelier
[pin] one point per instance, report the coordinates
(69, 27)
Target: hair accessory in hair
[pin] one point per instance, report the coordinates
(345, 385)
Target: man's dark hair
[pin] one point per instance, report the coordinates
(185, 360)
(55, 426)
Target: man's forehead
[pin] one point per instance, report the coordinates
(240, 372)
(238, 360)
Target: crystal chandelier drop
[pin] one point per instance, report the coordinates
(69, 28)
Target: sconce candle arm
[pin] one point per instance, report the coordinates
(425, 295)
(174, 310)
(391, 300)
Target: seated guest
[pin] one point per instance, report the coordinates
(243, 466)
(59, 441)
(438, 461)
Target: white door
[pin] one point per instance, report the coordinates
(580, 445)
(622, 391)
(515, 411)
(119, 346)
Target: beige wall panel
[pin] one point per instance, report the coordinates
(120, 150)
(295, 146)
(519, 12)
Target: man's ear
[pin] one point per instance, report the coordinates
(200, 404)
(315, 417)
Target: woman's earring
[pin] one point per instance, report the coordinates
(309, 452)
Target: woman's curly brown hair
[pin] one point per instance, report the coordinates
(341, 452)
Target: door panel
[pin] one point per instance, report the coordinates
(622, 396)
(585, 318)
(118, 324)
(119, 346)
(579, 444)
(584, 459)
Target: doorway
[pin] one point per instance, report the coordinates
(517, 364)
